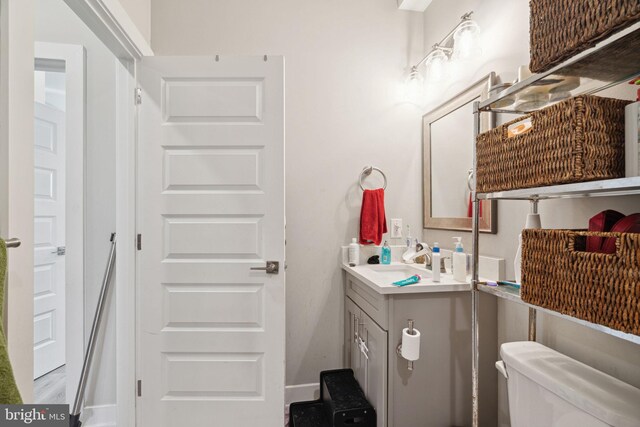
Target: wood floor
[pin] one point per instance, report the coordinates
(50, 388)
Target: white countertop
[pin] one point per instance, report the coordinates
(380, 277)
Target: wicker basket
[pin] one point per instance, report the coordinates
(599, 288)
(559, 29)
(580, 139)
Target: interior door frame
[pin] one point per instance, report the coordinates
(16, 181)
(110, 22)
(72, 60)
(126, 273)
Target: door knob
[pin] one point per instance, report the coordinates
(60, 250)
(272, 267)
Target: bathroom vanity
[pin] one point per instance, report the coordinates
(437, 392)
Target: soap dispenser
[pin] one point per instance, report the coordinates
(385, 254)
(459, 261)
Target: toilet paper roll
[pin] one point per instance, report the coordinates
(410, 344)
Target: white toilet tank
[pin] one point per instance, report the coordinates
(549, 389)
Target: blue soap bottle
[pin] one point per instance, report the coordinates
(385, 254)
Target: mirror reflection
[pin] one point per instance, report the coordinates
(451, 160)
(448, 137)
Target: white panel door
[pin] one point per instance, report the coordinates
(49, 236)
(211, 206)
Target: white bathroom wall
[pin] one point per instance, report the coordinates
(344, 63)
(505, 46)
(55, 22)
(140, 13)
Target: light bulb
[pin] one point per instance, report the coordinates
(436, 66)
(414, 85)
(466, 40)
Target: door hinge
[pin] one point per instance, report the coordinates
(138, 96)
(139, 242)
(139, 388)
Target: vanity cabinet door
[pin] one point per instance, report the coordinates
(355, 359)
(376, 368)
(369, 359)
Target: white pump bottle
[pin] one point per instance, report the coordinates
(459, 261)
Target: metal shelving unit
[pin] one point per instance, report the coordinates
(608, 187)
(588, 67)
(582, 65)
(513, 295)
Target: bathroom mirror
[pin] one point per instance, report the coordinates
(448, 162)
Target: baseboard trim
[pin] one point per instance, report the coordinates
(105, 415)
(302, 392)
(99, 416)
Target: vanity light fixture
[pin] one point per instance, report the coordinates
(459, 44)
(436, 64)
(466, 38)
(414, 85)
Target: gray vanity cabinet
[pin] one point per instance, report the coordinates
(366, 353)
(437, 392)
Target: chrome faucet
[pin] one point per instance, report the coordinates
(427, 251)
(410, 254)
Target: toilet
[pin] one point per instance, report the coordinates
(547, 388)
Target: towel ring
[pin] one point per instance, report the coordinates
(367, 171)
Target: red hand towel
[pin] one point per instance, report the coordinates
(373, 222)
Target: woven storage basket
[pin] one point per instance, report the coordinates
(580, 139)
(599, 288)
(559, 29)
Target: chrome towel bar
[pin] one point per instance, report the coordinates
(366, 171)
(13, 243)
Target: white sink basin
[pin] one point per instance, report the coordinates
(380, 278)
(395, 272)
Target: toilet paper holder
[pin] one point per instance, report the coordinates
(411, 331)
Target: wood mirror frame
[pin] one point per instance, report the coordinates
(488, 221)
